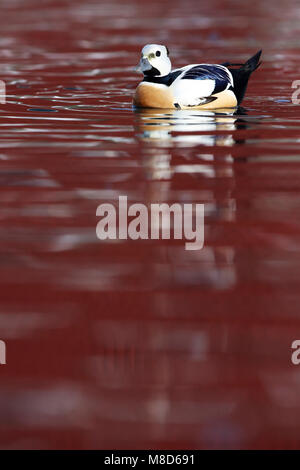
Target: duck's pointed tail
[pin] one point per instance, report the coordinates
(241, 75)
(253, 63)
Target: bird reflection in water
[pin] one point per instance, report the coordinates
(195, 145)
(156, 124)
(160, 131)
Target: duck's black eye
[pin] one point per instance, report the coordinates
(157, 53)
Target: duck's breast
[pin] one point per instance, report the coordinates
(153, 95)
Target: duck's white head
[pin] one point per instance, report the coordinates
(154, 61)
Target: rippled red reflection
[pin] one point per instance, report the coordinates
(142, 344)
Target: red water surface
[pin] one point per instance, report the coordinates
(142, 344)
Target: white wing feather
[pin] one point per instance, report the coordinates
(190, 92)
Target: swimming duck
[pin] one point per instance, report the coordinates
(197, 86)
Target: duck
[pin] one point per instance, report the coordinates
(195, 86)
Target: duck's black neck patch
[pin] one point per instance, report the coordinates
(151, 73)
(166, 80)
